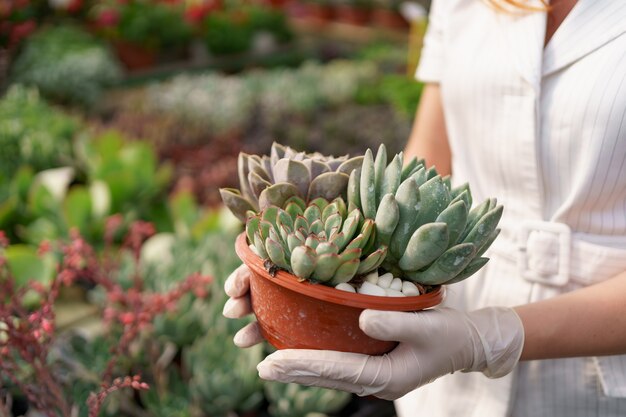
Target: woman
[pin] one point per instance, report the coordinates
(528, 106)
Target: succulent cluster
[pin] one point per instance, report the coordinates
(434, 236)
(272, 180)
(321, 242)
(406, 219)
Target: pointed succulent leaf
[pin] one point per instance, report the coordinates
(447, 266)
(275, 236)
(301, 234)
(242, 172)
(341, 206)
(465, 197)
(260, 246)
(469, 270)
(350, 165)
(252, 226)
(340, 239)
(380, 163)
(257, 184)
(447, 181)
(368, 186)
(301, 223)
(284, 219)
(345, 272)
(483, 229)
(427, 243)
(408, 200)
(316, 227)
(481, 250)
(434, 199)
(325, 267)
(387, 218)
(351, 223)
(270, 214)
(329, 186)
(293, 241)
(455, 216)
(457, 191)
(354, 190)
(350, 254)
(329, 211)
(368, 231)
(303, 260)
(420, 176)
(392, 179)
(264, 229)
(357, 243)
(284, 235)
(312, 213)
(276, 195)
(277, 152)
(297, 200)
(473, 217)
(332, 222)
(276, 254)
(431, 173)
(409, 167)
(294, 210)
(316, 168)
(236, 203)
(373, 261)
(320, 203)
(326, 247)
(312, 241)
(293, 172)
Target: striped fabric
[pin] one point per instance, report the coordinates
(544, 131)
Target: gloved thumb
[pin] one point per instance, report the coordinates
(394, 325)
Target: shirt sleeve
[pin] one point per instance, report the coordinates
(431, 58)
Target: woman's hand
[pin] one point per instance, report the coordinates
(433, 343)
(237, 286)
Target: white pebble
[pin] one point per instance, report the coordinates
(409, 289)
(384, 280)
(345, 287)
(394, 293)
(372, 277)
(371, 289)
(396, 284)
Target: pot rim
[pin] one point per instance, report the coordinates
(332, 295)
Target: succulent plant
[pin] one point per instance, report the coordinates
(294, 400)
(320, 242)
(432, 234)
(272, 180)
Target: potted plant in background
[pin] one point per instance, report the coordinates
(353, 12)
(328, 237)
(386, 14)
(142, 31)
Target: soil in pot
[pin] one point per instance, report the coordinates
(302, 315)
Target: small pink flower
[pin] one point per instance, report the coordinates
(108, 18)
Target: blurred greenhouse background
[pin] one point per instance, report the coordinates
(119, 121)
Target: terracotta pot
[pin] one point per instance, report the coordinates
(302, 315)
(135, 57)
(352, 15)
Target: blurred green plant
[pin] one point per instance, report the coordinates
(227, 32)
(293, 400)
(66, 64)
(402, 92)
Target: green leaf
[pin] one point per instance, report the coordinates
(25, 264)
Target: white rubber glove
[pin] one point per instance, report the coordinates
(237, 286)
(433, 343)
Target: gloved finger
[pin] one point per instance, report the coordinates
(354, 372)
(248, 336)
(238, 282)
(398, 326)
(237, 307)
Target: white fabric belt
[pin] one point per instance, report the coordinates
(549, 253)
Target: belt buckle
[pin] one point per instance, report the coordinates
(564, 235)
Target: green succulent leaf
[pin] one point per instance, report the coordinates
(303, 261)
(346, 271)
(455, 216)
(277, 195)
(368, 186)
(354, 190)
(326, 267)
(329, 186)
(447, 266)
(373, 261)
(387, 219)
(237, 204)
(473, 267)
(427, 243)
(409, 207)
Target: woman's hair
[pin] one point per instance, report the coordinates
(517, 5)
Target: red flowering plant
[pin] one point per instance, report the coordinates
(31, 366)
(18, 19)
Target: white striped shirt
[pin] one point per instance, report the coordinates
(544, 131)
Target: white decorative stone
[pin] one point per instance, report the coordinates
(394, 293)
(372, 277)
(409, 289)
(396, 284)
(371, 289)
(384, 280)
(345, 287)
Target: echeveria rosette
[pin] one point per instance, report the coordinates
(434, 236)
(272, 180)
(321, 242)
